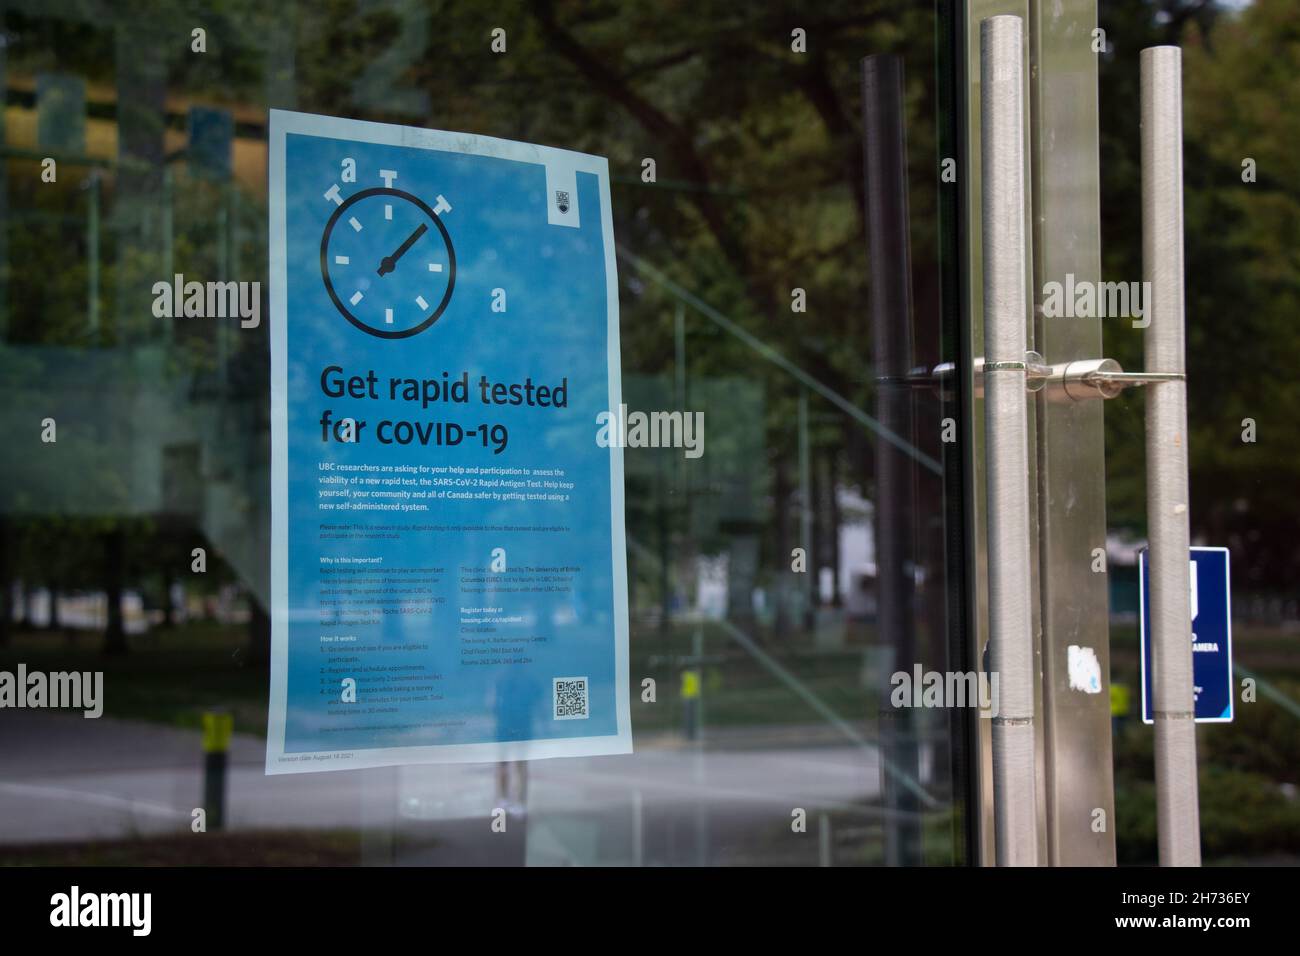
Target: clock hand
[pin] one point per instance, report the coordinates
(389, 263)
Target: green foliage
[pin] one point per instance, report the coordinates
(1263, 738)
(1241, 83)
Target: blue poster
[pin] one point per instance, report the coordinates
(1210, 604)
(448, 568)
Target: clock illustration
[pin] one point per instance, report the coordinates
(388, 262)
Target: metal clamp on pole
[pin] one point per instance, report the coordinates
(1006, 315)
(1177, 813)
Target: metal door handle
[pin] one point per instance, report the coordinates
(1177, 812)
(1006, 317)
(1085, 379)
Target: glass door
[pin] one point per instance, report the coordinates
(790, 264)
(1066, 490)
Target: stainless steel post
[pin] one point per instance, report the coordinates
(1006, 317)
(1177, 813)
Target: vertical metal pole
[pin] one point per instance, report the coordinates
(168, 237)
(805, 508)
(679, 355)
(225, 269)
(1177, 813)
(218, 725)
(1007, 441)
(698, 767)
(884, 160)
(697, 655)
(638, 829)
(232, 237)
(92, 254)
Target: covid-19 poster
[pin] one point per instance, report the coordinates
(448, 567)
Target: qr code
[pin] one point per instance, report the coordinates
(571, 698)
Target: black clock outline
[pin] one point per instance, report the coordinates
(329, 285)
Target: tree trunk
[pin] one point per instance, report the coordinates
(169, 612)
(784, 578)
(259, 632)
(53, 624)
(114, 553)
(833, 533)
(27, 622)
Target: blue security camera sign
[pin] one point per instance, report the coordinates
(1210, 634)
